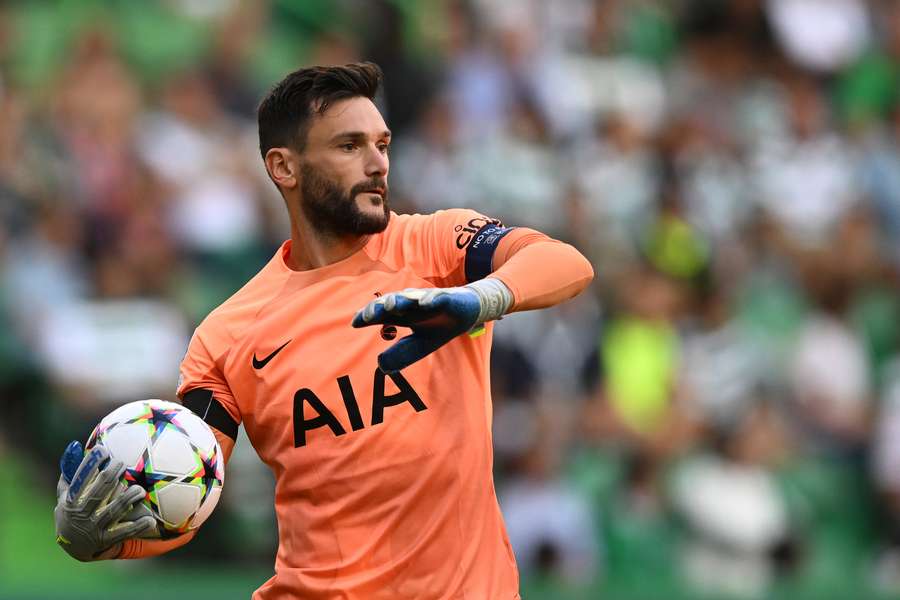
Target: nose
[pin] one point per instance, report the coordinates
(377, 163)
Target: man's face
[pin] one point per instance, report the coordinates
(344, 167)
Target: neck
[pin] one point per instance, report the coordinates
(312, 250)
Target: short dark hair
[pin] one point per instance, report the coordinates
(285, 113)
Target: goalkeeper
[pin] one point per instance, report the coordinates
(357, 361)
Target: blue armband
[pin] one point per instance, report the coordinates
(480, 251)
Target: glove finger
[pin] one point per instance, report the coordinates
(104, 485)
(408, 350)
(130, 529)
(86, 471)
(122, 503)
(415, 293)
(70, 460)
(398, 304)
(434, 298)
(367, 314)
(395, 303)
(406, 313)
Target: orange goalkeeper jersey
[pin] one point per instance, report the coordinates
(384, 484)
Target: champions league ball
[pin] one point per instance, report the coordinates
(171, 453)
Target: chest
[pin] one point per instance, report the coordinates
(310, 392)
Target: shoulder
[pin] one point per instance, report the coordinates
(226, 322)
(457, 224)
(433, 246)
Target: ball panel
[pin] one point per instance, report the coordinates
(171, 453)
(178, 502)
(199, 432)
(126, 442)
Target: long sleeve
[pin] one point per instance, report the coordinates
(538, 270)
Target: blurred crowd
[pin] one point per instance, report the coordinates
(719, 415)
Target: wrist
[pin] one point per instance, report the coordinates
(496, 299)
(111, 553)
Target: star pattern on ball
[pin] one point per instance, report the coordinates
(162, 418)
(181, 483)
(142, 475)
(207, 470)
(96, 435)
(146, 479)
(210, 476)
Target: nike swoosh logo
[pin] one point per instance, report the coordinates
(259, 364)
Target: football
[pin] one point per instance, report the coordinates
(171, 453)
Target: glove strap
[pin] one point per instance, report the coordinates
(495, 298)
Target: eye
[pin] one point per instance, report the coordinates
(348, 147)
(383, 148)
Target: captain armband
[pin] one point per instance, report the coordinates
(201, 402)
(480, 250)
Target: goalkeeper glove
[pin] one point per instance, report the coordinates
(91, 504)
(435, 315)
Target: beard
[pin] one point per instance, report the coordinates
(334, 213)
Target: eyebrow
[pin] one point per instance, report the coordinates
(358, 135)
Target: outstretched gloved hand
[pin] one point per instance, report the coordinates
(435, 315)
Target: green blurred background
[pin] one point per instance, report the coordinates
(718, 417)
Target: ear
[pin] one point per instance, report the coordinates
(282, 165)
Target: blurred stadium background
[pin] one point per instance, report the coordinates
(718, 418)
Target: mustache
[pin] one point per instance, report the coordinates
(375, 183)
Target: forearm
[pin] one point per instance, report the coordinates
(540, 271)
